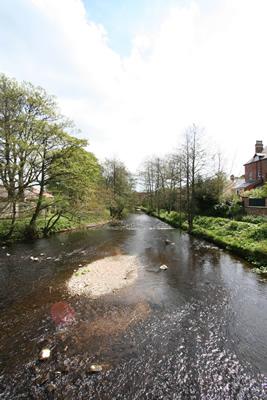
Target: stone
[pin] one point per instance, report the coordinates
(167, 241)
(51, 387)
(95, 368)
(44, 354)
(163, 267)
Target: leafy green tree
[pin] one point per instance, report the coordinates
(209, 192)
(119, 185)
(74, 181)
(33, 134)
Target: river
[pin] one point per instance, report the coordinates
(195, 331)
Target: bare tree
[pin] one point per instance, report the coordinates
(194, 158)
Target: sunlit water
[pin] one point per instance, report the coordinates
(195, 331)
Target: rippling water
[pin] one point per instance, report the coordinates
(195, 331)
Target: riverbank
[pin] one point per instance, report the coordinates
(104, 276)
(245, 239)
(63, 225)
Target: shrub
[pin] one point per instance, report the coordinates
(236, 210)
(253, 219)
(260, 233)
(221, 210)
(233, 226)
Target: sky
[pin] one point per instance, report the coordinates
(133, 75)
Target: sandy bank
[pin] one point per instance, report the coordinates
(104, 276)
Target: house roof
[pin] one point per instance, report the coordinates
(258, 156)
(245, 185)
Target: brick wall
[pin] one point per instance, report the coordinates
(256, 171)
(254, 210)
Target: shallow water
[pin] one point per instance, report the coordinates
(195, 331)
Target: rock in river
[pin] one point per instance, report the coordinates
(44, 354)
(95, 368)
(163, 267)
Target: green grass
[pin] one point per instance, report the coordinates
(62, 225)
(246, 238)
(173, 218)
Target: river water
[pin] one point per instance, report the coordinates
(195, 331)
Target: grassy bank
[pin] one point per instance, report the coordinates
(63, 224)
(246, 238)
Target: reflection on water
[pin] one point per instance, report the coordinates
(197, 330)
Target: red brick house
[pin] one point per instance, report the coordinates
(256, 175)
(256, 167)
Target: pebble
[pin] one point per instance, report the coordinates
(44, 354)
(51, 387)
(163, 267)
(95, 368)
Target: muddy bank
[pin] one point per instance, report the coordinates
(104, 276)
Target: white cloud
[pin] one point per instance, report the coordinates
(208, 68)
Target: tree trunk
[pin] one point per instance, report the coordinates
(13, 220)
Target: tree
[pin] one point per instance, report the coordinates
(194, 159)
(74, 182)
(119, 184)
(209, 193)
(33, 134)
(53, 145)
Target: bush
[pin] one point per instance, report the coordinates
(236, 210)
(221, 210)
(233, 226)
(260, 233)
(253, 219)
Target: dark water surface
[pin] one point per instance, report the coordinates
(195, 331)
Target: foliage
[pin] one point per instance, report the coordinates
(208, 194)
(119, 185)
(261, 270)
(75, 183)
(38, 151)
(257, 193)
(254, 219)
(229, 209)
(64, 223)
(248, 240)
(182, 181)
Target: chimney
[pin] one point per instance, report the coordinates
(258, 146)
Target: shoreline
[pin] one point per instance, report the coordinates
(86, 226)
(104, 276)
(21, 239)
(256, 258)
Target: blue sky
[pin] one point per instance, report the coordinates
(134, 74)
(123, 18)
